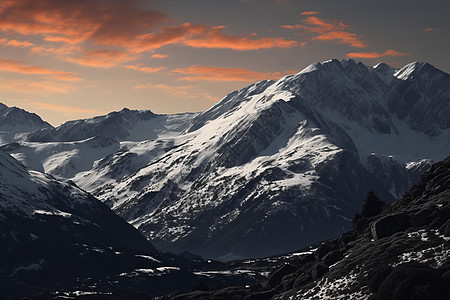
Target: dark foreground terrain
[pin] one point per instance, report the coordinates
(402, 253)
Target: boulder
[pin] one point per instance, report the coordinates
(277, 276)
(390, 224)
(424, 216)
(345, 239)
(318, 270)
(326, 247)
(302, 279)
(288, 282)
(332, 257)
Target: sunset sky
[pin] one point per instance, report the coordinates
(71, 59)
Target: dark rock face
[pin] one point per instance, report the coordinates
(277, 276)
(390, 172)
(390, 224)
(318, 270)
(421, 98)
(332, 257)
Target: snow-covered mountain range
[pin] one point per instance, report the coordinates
(270, 168)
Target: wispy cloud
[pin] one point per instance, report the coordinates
(15, 43)
(157, 55)
(102, 58)
(35, 87)
(309, 13)
(328, 30)
(198, 73)
(376, 54)
(17, 67)
(61, 51)
(145, 69)
(214, 38)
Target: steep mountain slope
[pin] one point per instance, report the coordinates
(401, 253)
(14, 120)
(272, 161)
(270, 168)
(54, 236)
(62, 159)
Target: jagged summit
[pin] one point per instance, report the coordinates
(15, 120)
(415, 68)
(126, 124)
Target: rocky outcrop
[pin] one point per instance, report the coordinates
(390, 224)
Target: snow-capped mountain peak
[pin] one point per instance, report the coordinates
(14, 121)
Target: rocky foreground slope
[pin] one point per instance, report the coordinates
(402, 253)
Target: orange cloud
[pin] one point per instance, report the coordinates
(116, 23)
(61, 51)
(15, 43)
(309, 13)
(159, 55)
(166, 36)
(35, 87)
(342, 37)
(293, 27)
(145, 69)
(328, 30)
(429, 29)
(74, 21)
(318, 25)
(102, 58)
(17, 67)
(196, 73)
(200, 36)
(214, 38)
(376, 55)
(65, 109)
